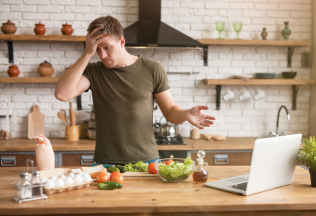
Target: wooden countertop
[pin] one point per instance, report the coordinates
(152, 196)
(232, 143)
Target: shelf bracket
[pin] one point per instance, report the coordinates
(218, 97)
(205, 51)
(290, 51)
(294, 96)
(10, 50)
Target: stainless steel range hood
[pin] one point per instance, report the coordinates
(150, 32)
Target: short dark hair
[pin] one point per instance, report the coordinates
(111, 26)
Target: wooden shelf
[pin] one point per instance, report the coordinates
(229, 42)
(259, 82)
(28, 79)
(60, 38)
(293, 82)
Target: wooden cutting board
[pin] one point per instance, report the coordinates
(138, 174)
(35, 123)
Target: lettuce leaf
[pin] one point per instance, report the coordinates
(138, 167)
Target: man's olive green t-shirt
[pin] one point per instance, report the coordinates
(123, 101)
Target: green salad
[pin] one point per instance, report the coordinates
(176, 171)
(138, 167)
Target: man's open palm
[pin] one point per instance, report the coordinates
(198, 118)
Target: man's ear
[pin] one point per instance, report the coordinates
(122, 42)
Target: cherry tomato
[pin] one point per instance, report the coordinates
(114, 174)
(152, 168)
(169, 162)
(102, 177)
(117, 178)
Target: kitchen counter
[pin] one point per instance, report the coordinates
(232, 143)
(151, 196)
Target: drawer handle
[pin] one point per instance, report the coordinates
(221, 159)
(86, 158)
(8, 159)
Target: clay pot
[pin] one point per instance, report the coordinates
(39, 29)
(45, 69)
(8, 27)
(66, 29)
(13, 71)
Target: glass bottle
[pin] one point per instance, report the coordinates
(200, 174)
(24, 186)
(37, 189)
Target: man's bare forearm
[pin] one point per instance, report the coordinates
(68, 82)
(177, 115)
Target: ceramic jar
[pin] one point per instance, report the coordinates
(286, 31)
(45, 69)
(13, 71)
(8, 27)
(39, 29)
(67, 29)
(264, 34)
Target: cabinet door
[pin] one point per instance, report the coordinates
(77, 159)
(230, 159)
(16, 160)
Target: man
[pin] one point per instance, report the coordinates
(123, 89)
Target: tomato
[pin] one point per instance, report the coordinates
(117, 178)
(169, 162)
(102, 177)
(152, 168)
(114, 174)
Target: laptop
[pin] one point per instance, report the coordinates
(273, 165)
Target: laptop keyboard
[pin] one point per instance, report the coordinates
(241, 186)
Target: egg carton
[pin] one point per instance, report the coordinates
(55, 172)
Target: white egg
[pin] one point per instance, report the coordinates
(60, 173)
(69, 181)
(43, 180)
(80, 173)
(78, 179)
(53, 178)
(50, 184)
(86, 177)
(63, 177)
(71, 175)
(59, 182)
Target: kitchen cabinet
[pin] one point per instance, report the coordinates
(76, 159)
(16, 159)
(228, 158)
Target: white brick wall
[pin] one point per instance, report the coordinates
(195, 18)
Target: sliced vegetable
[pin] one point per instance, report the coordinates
(138, 167)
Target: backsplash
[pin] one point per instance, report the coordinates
(194, 18)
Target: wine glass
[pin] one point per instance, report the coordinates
(237, 27)
(220, 25)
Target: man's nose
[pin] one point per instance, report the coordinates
(103, 54)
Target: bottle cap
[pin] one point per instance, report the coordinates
(201, 155)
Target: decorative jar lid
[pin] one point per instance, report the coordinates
(46, 64)
(13, 66)
(39, 24)
(66, 24)
(8, 23)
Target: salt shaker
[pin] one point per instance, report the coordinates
(24, 186)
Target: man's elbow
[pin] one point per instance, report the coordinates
(60, 96)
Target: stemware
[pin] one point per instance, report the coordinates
(237, 28)
(220, 25)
